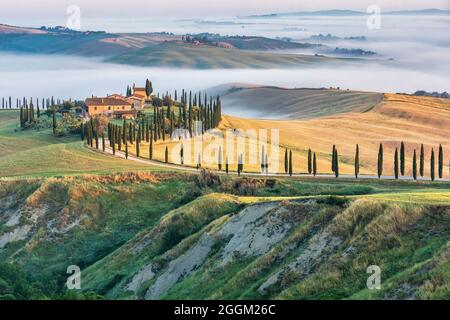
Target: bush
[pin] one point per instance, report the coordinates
(248, 186)
(208, 178)
(68, 125)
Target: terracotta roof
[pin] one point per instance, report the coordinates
(116, 95)
(106, 102)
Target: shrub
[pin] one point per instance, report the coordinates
(208, 178)
(248, 186)
(271, 183)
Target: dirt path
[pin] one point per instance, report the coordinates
(172, 166)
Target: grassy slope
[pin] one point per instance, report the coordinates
(82, 45)
(353, 120)
(397, 237)
(299, 103)
(33, 153)
(397, 118)
(78, 220)
(413, 120)
(114, 225)
(203, 57)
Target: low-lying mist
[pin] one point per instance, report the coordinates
(78, 78)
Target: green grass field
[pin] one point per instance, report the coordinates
(39, 153)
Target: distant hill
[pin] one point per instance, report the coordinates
(296, 103)
(202, 51)
(206, 57)
(352, 13)
(421, 12)
(312, 13)
(248, 42)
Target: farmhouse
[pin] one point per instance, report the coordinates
(137, 100)
(137, 91)
(110, 107)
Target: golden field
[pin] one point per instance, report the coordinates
(413, 120)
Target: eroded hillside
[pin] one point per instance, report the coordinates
(160, 236)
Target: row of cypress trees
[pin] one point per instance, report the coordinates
(399, 162)
(418, 166)
(135, 133)
(43, 103)
(27, 115)
(311, 162)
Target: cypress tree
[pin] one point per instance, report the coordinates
(91, 133)
(182, 154)
(219, 160)
(166, 156)
(432, 173)
(148, 88)
(396, 163)
(262, 160)
(440, 162)
(110, 133)
(422, 161)
(150, 147)
(402, 159)
(266, 165)
(414, 167)
(239, 165)
(124, 131)
(113, 143)
(380, 161)
(314, 165)
(54, 122)
(96, 140)
(137, 147)
(126, 149)
(82, 131)
(336, 163)
(22, 122)
(226, 165)
(290, 163)
(286, 161)
(357, 162)
(103, 142)
(310, 169)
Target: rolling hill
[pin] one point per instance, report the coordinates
(159, 49)
(275, 102)
(396, 118)
(207, 57)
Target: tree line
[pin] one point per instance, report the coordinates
(38, 103)
(399, 162)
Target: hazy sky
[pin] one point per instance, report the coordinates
(54, 9)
